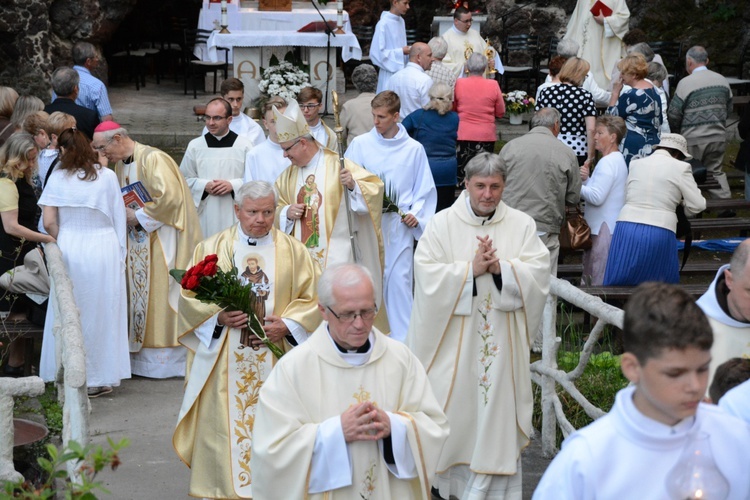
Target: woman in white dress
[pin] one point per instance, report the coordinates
(83, 209)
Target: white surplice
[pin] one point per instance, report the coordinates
(265, 162)
(387, 47)
(402, 164)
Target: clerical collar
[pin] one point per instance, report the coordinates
(251, 240)
(129, 160)
(225, 141)
(360, 350)
(464, 33)
(480, 218)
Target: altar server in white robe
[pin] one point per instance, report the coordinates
(266, 161)
(727, 305)
(233, 91)
(482, 277)
(161, 236)
(642, 447)
(388, 49)
(463, 41)
(213, 166)
(312, 207)
(215, 426)
(310, 100)
(350, 413)
(401, 163)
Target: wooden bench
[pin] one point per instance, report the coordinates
(26, 330)
(699, 226)
(565, 271)
(727, 204)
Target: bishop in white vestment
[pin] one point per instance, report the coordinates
(215, 427)
(402, 165)
(350, 413)
(213, 166)
(482, 277)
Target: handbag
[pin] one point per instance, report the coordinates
(575, 233)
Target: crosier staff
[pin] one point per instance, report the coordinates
(340, 137)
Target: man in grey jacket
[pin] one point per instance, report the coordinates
(542, 177)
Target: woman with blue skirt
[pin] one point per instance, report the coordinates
(644, 245)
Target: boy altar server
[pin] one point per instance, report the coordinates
(401, 163)
(350, 413)
(632, 451)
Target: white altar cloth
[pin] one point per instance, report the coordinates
(348, 43)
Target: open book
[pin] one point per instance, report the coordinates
(601, 8)
(135, 195)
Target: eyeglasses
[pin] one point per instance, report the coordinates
(286, 150)
(103, 146)
(349, 317)
(309, 106)
(467, 21)
(214, 118)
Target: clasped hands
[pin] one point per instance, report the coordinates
(218, 187)
(274, 327)
(485, 260)
(365, 422)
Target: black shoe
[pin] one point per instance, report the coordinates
(727, 213)
(12, 371)
(436, 493)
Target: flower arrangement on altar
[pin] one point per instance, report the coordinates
(212, 285)
(518, 102)
(283, 78)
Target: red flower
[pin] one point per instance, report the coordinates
(209, 269)
(197, 270)
(211, 258)
(192, 283)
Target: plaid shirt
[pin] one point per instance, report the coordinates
(441, 73)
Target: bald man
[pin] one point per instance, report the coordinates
(412, 83)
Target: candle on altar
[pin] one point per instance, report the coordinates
(224, 19)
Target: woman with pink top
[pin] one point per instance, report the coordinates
(478, 102)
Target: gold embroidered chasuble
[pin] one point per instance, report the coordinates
(460, 46)
(153, 318)
(214, 429)
(367, 226)
(476, 349)
(314, 383)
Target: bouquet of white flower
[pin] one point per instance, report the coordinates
(283, 79)
(518, 102)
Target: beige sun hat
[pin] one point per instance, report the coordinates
(291, 123)
(674, 141)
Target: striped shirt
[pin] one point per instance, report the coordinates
(92, 93)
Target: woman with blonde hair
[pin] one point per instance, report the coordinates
(436, 128)
(576, 106)
(25, 106)
(639, 105)
(18, 216)
(82, 203)
(8, 98)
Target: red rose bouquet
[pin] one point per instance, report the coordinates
(212, 285)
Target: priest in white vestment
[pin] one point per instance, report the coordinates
(482, 277)
(660, 440)
(266, 161)
(388, 49)
(161, 236)
(727, 305)
(350, 413)
(599, 37)
(215, 426)
(310, 100)
(213, 166)
(463, 41)
(402, 165)
(312, 205)
(233, 91)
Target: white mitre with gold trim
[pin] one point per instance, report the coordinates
(291, 123)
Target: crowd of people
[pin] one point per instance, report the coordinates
(405, 312)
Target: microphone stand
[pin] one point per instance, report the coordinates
(330, 33)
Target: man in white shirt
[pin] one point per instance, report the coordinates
(412, 84)
(233, 91)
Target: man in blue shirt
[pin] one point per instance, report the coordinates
(92, 93)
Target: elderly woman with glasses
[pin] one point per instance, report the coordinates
(436, 128)
(82, 203)
(478, 102)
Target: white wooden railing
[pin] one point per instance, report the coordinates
(545, 372)
(71, 375)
